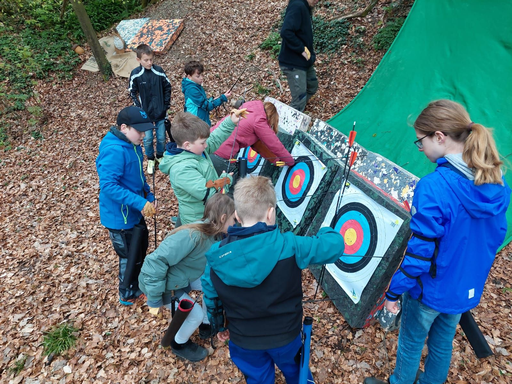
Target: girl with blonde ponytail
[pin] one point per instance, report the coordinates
(458, 223)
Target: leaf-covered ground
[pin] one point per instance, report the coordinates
(57, 261)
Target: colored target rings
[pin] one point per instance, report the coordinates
(253, 159)
(297, 182)
(356, 223)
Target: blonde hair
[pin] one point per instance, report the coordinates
(187, 127)
(480, 152)
(272, 116)
(253, 196)
(216, 207)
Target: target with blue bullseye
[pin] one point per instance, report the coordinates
(297, 182)
(253, 159)
(356, 223)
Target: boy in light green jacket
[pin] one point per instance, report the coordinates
(188, 164)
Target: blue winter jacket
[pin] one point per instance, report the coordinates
(457, 227)
(123, 187)
(196, 101)
(256, 274)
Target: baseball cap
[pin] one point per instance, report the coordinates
(136, 118)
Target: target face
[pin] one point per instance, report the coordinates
(297, 184)
(368, 229)
(254, 161)
(356, 223)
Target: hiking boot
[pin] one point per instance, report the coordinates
(374, 380)
(205, 331)
(189, 351)
(151, 167)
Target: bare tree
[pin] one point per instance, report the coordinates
(92, 39)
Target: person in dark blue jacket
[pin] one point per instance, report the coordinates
(255, 274)
(124, 194)
(196, 101)
(150, 89)
(458, 223)
(297, 56)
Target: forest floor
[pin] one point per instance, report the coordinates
(58, 265)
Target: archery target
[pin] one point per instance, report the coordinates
(368, 230)
(298, 183)
(254, 161)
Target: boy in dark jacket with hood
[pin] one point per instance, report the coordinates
(150, 89)
(297, 55)
(124, 194)
(196, 101)
(255, 273)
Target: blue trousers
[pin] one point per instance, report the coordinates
(419, 322)
(160, 141)
(258, 365)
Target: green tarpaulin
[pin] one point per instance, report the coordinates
(447, 49)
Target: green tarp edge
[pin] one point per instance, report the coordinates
(446, 49)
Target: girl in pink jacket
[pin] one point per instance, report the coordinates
(261, 124)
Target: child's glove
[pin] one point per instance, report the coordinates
(148, 210)
(154, 311)
(219, 183)
(237, 114)
(306, 53)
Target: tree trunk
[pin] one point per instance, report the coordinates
(63, 9)
(362, 13)
(92, 39)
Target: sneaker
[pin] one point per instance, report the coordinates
(374, 380)
(127, 301)
(151, 167)
(205, 331)
(174, 219)
(189, 351)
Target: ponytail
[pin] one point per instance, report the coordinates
(217, 206)
(479, 153)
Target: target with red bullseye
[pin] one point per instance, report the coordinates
(254, 159)
(356, 223)
(297, 182)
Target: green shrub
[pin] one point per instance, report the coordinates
(272, 43)
(59, 339)
(329, 36)
(386, 35)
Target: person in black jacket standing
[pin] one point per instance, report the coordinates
(297, 55)
(150, 89)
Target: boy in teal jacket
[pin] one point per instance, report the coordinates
(196, 101)
(188, 164)
(255, 272)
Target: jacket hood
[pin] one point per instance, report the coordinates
(120, 135)
(247, 261)
(187, 83)
(171, 157)
(480, 201)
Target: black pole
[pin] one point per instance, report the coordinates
(177, 321)
(474, 335)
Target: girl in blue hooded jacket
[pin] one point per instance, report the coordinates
(458, 223)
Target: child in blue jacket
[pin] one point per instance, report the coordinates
(124, 194)
(255, 274)
(196, 101)
(458, 223)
